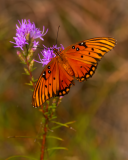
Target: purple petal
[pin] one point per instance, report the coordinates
(26, 27)
(48, 54)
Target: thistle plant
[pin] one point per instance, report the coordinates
(26, 40)
(48, 54)
(26, 35)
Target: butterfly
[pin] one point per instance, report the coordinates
(78, 61)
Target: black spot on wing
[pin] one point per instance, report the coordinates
(44, 75)
(48, 95)
(64, 91)
(99, 54)
(49, 71)
(88, 74)
(73, 47)
(77, 49)
(83, 44)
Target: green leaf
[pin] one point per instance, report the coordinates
(32, 90)
(61, 124)
(26, 71)
(46, 113)
(32, 79)
(56, 127)
(33, 69)
(20, 156)
(35, 80)
(57, 148)
(58, 138)
(52, 137)
(53, 117)
(29, 61)
(70, 122)
(23, 62)
(53, 107)
(30, 84)
(31, 64)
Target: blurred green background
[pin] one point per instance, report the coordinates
(99, 106)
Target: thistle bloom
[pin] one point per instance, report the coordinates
(48, 54)
(26, 32)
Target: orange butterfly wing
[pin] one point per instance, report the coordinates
(78, 60)
(53, 81)
(84, 56)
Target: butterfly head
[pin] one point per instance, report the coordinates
(57, 51)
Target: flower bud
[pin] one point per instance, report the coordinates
(26, 71)
(30, 54)
(22, 58)
(31, 64)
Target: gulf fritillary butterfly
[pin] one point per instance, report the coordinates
(78, 61)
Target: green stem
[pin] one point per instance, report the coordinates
(45, 133)
(46, 118)
(30, 73)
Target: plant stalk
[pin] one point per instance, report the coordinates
(44, 134)
(46, 119)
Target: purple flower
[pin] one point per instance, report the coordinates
(48, 54)
(35, 44)
(27, 31)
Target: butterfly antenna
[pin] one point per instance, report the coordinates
(57, 34)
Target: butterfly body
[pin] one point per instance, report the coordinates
(78, 61)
